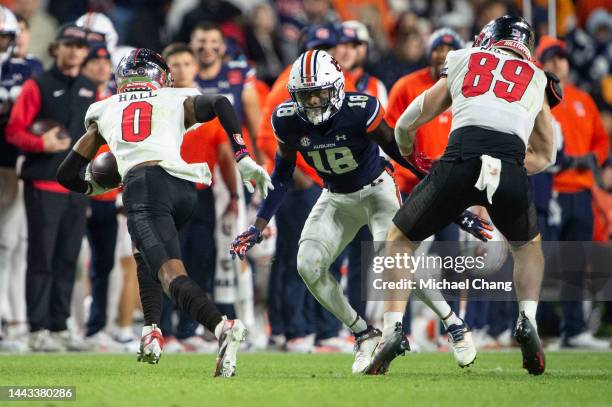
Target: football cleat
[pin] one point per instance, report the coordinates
(232, 334)
(531, 347)
(365, 345)
(460, 340)
(387, 350)
(151, 345)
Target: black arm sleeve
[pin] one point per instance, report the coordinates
(68, 173)
(383, 136)
(207, 107)
(390, 148)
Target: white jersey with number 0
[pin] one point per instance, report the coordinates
(494, 90)
(146, 126)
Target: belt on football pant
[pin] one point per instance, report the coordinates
(377, 180)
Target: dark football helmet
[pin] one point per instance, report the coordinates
(142, 69)
(508, 32)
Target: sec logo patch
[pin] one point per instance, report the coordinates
(305, 141)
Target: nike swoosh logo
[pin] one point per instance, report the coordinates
(58, 93)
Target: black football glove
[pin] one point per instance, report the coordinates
(554, 93)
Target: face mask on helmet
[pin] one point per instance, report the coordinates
(315, 105)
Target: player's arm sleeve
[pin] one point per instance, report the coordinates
(207, 107)
(282, 179)
(383, 136)
(70, 170)
(423, 109)
(22, 116)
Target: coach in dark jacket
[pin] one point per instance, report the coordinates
(56, 217)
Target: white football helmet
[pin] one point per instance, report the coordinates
(8, 27)
(316, 86)
(101, 24)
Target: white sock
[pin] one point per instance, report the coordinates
(124, 333)
(529, 307)
(219, 327)
(452, 319)
(359, 326)
(390, 318)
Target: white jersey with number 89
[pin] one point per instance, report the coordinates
(494, 90)
(147, 126)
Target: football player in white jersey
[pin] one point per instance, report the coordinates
(501, 132)
(143, 125)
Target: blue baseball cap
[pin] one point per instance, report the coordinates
(444, 36)
(317, 36)
(347, 34)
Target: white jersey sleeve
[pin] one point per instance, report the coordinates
(94, 112)
(494, 90)
(147, 126)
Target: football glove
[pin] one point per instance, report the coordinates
(245, 241)
(93, 188)
(475, 225)
(421, 161)
(554, 93)
(250, 171)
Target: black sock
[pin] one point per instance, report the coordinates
(190, 298)
(151, 293)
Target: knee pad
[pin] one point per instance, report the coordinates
(312, 260)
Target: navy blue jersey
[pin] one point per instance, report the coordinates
(338, 149)
(13, 73)
(233, 77)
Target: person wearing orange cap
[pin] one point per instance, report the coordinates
(586, 147)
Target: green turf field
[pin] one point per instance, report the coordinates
(571, 379)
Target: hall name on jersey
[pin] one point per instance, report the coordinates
(125, 97)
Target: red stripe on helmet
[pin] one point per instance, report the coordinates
(308, 65)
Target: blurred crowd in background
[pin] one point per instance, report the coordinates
(242, 49)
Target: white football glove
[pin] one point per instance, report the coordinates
(94, 188)
(250, 171)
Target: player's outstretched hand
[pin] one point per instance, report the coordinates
(245, 241)
(251, 171)
(475, 225)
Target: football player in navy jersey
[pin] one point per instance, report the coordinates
(15, 69)
(339, 135)
(232, 79)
